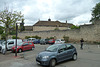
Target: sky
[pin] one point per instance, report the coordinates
(77, 12)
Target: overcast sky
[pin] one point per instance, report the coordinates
(74, 11)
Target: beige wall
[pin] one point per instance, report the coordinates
(88, 33)
(45, 28)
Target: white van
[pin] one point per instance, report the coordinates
(11, 43)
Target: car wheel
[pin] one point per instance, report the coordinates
(3, 52)
(12, 51)
(74, 57)
(20, 50)
(52, 63)
(32, 48)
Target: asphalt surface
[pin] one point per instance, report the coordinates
(88, 57)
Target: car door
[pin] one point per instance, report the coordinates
(69, 51)
(25, 46)
(61, 53)
(30, 45)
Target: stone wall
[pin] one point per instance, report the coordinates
(87, 32)
(45, 28)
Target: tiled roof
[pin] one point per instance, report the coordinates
(51, 23)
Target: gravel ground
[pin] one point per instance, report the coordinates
(88, 57)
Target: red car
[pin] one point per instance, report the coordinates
(51, 41)
(23, 46)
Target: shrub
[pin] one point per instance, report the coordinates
(26, 37)
(56, 29)
(12, 33)
(66, 38)
(14, 37)
(37, 37)
(75, 27)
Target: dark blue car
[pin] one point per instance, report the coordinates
(36, 41)
(56, 53)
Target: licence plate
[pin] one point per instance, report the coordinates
(38, 62)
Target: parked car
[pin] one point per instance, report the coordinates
(58, 41)
(1, 41)
(23, 46)
(11, 43)
(25, 40)
(56, 53)
(42, 41)
(47, 41)
(36, 41)
(51, 41)
(31, 39)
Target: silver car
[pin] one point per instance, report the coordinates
(59, 41)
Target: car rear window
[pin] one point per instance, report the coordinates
(30, 43)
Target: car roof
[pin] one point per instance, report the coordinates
(63, 44)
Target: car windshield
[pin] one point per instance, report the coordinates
(19, 44)
(57, 40)
(52, 48)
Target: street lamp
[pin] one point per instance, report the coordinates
(16, 38)
(16, 41)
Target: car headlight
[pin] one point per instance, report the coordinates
(45, 57)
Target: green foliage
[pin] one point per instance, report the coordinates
(1, 30)
(14, 37)
(96, 42)
(75, 27)
(26, 37)
(95, 13)
(9, 19)
(37, 37)
(50, 38)
(56, 28)
(66, 38)
(12, 32)
(3, 36)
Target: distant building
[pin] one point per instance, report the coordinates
(50, 25)
(28, 28)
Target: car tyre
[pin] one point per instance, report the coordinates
(3, 51)
(20, 50)
(74, 57)
(32, 48)
(52, 63)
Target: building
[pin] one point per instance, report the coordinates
(50, 25)
(28, 28)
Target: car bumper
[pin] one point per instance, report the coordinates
(43, 62)
(13, 50)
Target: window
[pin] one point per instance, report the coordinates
(30, 43)
(70, 46)
(62, 48)
(25, 44)
(11, 42)
(62, 39)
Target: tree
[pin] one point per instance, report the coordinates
(75, 27)
(1, 29)
(9, 19)
(95, 13)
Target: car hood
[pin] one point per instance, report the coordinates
(47, 53)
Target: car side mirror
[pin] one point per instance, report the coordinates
(59, 51)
